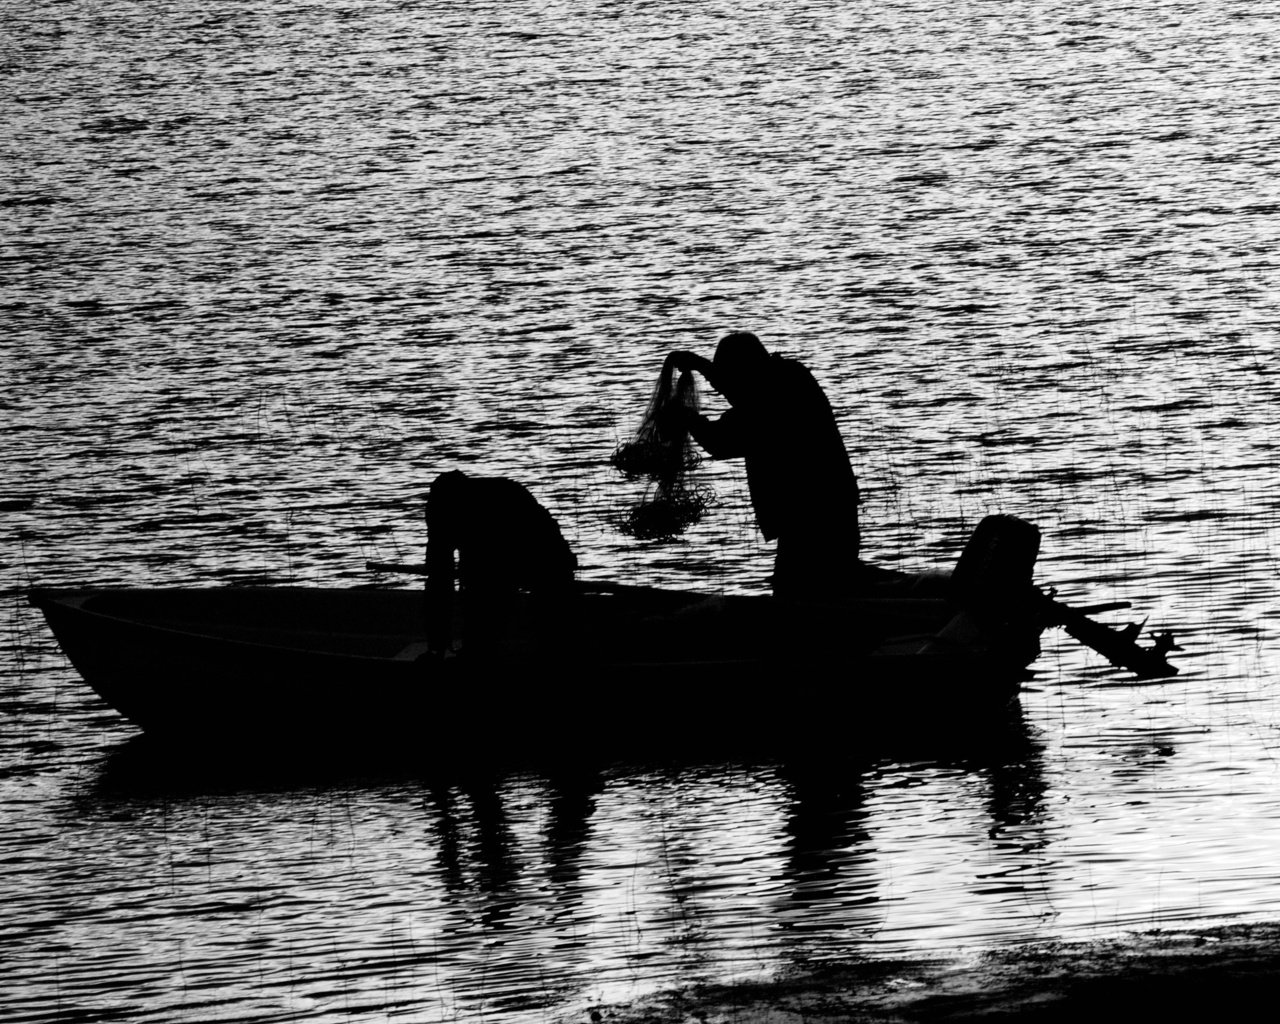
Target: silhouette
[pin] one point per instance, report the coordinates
(829, 865)
(504, 541)
(803, 489)
(664, 456)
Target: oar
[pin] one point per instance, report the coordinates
(420, 569)
(1118, 646)
(412, 568)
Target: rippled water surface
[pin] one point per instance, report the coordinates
(269, 267)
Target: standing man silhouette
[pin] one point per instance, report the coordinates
(803, 488)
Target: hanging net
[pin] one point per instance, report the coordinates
(662, 453)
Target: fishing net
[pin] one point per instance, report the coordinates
(662, 453)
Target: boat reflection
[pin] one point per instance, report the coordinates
(578, 874)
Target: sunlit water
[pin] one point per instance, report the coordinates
(270, 267)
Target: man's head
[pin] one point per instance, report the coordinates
(739, 363)
(447, 496)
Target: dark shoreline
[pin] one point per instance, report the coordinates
(1225, 972)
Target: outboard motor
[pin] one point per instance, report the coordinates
(997, 563)
(992, 587)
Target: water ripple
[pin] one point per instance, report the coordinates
(277, 265)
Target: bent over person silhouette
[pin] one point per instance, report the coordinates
(803, 488)
(504, 542)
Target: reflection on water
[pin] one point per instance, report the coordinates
(276, 266)
(475, 883)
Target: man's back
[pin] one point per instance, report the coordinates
(504, 540)
(504, 534)
(797, 466)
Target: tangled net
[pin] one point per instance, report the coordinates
(663, 453)
(663, 516)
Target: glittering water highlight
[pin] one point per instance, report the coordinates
(272, 267)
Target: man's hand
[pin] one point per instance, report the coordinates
(686, 361)
(679, 361)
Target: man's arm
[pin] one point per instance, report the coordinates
(720, 438)
(683, 362)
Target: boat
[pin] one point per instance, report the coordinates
(609, 662)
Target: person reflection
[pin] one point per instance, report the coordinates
(803, 487)
(447, 834)
(504, 541)
(572, 795)
(828, 868)
(1012, 762)
(571, 804)
(475, 843)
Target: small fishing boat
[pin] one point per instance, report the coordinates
(606, 663)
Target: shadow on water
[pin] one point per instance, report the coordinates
(144, 767)
(562, 869)
(466, 807)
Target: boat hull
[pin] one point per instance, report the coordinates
(620, 666)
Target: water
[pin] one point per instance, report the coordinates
(270, 267)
